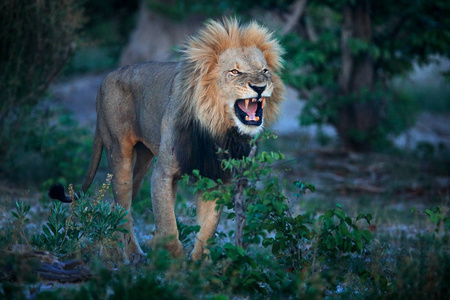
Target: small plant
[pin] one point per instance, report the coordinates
(87, 226)
(20, 221)
(340, 233)
(436, 217)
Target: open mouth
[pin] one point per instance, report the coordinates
(250, 111)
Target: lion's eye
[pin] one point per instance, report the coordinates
(234, 72)
(265, 71)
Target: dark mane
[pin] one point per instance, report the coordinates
(196, 149)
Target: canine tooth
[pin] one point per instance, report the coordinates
(263, 102)
(246, 118)
(257, 118)
(246, 102)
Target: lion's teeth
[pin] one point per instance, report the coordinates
(246, 118)
(254, 100)
(246, 103)
(263, 102)
(257, 118)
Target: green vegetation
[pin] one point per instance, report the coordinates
(39, 40)
(48, 146)
(376, 226)
(36, 42)
(342, 56)
(278, 252)
(86, 228)
(107, 29)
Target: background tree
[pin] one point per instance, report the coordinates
(37, 39)
(343, 56)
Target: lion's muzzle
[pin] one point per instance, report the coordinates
(250, 111)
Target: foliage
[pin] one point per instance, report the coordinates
(88, 225)
(326, 41)
(340, 232)
(36, 41)
(287, 253)
(293, 240)
(105, 33)
(43, 148)
(436, 216)
(20, 221)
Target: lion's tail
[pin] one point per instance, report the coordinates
(95, 161)
(57, 191)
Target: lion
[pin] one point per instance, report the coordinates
(224, 90)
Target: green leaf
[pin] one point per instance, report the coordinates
(279, 235)
(46, 231)
(367, 235)
(240, 251)
(359, 245)
(330, 243)
(356, 234)
(275, 248)
(267, 242)
(384, 282)
(339, 213)
(344, 230)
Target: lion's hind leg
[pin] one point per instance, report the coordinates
(120, 160)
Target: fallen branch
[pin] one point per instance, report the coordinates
(42, 263)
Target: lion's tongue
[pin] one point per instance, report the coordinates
(250, 110)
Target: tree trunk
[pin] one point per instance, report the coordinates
(358, 117)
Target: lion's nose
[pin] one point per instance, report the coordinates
(258, 89)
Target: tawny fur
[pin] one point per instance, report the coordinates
(198, 89)
(182, 112)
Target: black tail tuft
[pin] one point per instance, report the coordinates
(56, 191)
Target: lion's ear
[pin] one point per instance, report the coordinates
(273, 56)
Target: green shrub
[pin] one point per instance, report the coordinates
(85, 228)
(49, 146)
(38, 38)
(277, 254)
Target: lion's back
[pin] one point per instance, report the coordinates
(135, 97)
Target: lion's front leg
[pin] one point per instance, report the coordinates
(164, 186)
(208, 219)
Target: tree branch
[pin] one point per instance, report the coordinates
(239, 208)
(298, 8)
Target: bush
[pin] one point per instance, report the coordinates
(37, 40)
(48, 145)
(85, 229)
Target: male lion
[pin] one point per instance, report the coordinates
(221, 94)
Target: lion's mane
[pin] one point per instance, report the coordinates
(197, 84)
(203, 119)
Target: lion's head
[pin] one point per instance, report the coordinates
(229, 77)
